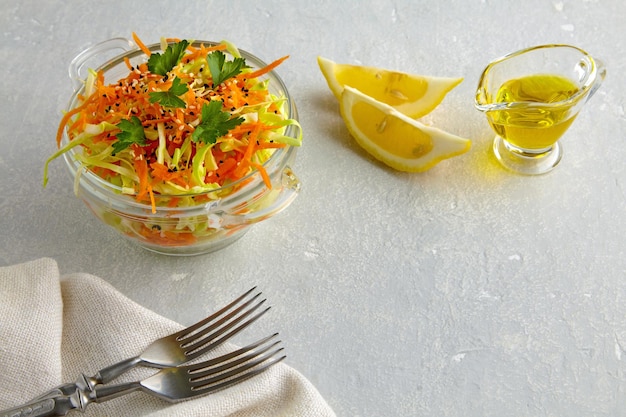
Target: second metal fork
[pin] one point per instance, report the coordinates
(180, 347)
(171, 384)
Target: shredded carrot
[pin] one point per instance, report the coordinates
(265, 69)
(263, 172)
(157, 121)
(162, 173)
(152, 200)
(227, 166)
(202, 51)
(141, 168)
(250, 149)
(141, 45)
(128, 64)
(67, 116)
(79, 123)
(271, 145)
(173, 202)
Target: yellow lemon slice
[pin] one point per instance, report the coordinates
(394, 138)
(413, 95)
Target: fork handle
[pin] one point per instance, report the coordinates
(108, 374)
(79, 399)
(87, 384)
(54, 406)
(83, 383)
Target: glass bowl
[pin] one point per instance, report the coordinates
(208, 221)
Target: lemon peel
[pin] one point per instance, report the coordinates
(412, 95)
(394, 138)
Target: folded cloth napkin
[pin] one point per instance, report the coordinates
(53, 328)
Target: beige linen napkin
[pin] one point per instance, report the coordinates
(52, 328)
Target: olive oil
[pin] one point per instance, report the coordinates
(534, 127)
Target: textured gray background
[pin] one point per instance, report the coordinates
(462, 291)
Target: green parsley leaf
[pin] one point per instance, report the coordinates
(221, 70)
(131, 132)
(161, 64)
(214, 124)
(170, 97)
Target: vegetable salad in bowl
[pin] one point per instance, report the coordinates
(181, 145)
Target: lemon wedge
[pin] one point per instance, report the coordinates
(394, 138)
(413, 95)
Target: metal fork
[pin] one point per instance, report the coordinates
(171, 384)
(180, 347)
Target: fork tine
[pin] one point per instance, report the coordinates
(213, 342)
(249, 372)
(236, 371)
(183, 333)
(199, 333)
(204, 370)
(205, 340)
(229, 356)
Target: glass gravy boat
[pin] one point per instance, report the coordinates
(531, 97)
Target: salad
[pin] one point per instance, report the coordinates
(182, 128)
(185, 122)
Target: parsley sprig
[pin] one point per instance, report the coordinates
(131, 132)
(161, 64)
(214, 124)
(170, 97)
(221, 70)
